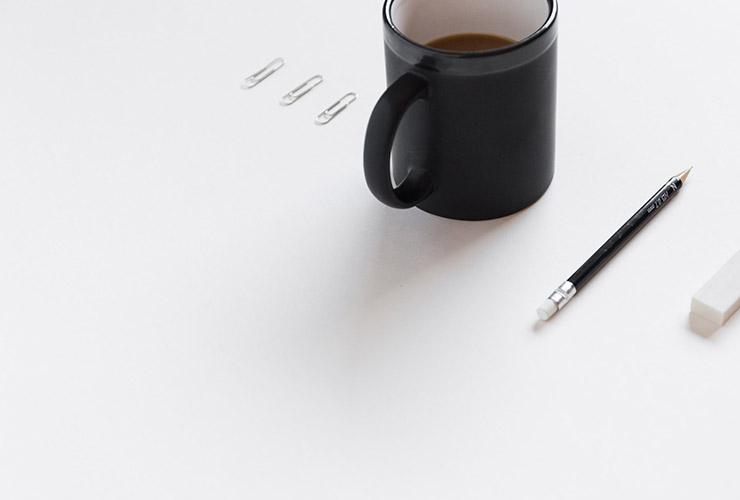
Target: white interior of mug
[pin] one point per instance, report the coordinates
(423, 21)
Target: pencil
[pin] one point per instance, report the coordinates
(565, 293)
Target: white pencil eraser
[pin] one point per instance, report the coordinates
(720, 298)
(547, 310)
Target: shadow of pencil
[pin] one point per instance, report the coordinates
(539, 326)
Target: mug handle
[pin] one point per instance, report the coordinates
(381, 131)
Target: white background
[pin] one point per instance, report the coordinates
(199, 298)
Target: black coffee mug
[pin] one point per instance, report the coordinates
(472, 134)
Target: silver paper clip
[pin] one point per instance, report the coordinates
(261, 75)
(332, 111)
(301, 90)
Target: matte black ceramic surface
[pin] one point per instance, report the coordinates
(474, 133)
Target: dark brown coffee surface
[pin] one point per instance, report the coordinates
(470, 42)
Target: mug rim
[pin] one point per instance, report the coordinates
(552, 17)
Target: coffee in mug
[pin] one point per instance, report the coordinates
(470, 42)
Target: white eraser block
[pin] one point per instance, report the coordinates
(720, 298)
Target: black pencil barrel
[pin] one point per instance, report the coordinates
(625, 234)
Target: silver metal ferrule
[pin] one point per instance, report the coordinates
(563, 295)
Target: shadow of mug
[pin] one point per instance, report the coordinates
(400, 247)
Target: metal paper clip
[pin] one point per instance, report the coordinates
(332, 111)
(301, 90)
(261, 75)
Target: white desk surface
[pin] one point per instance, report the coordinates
(199, 298)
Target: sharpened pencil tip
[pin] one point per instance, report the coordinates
(685, 174)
